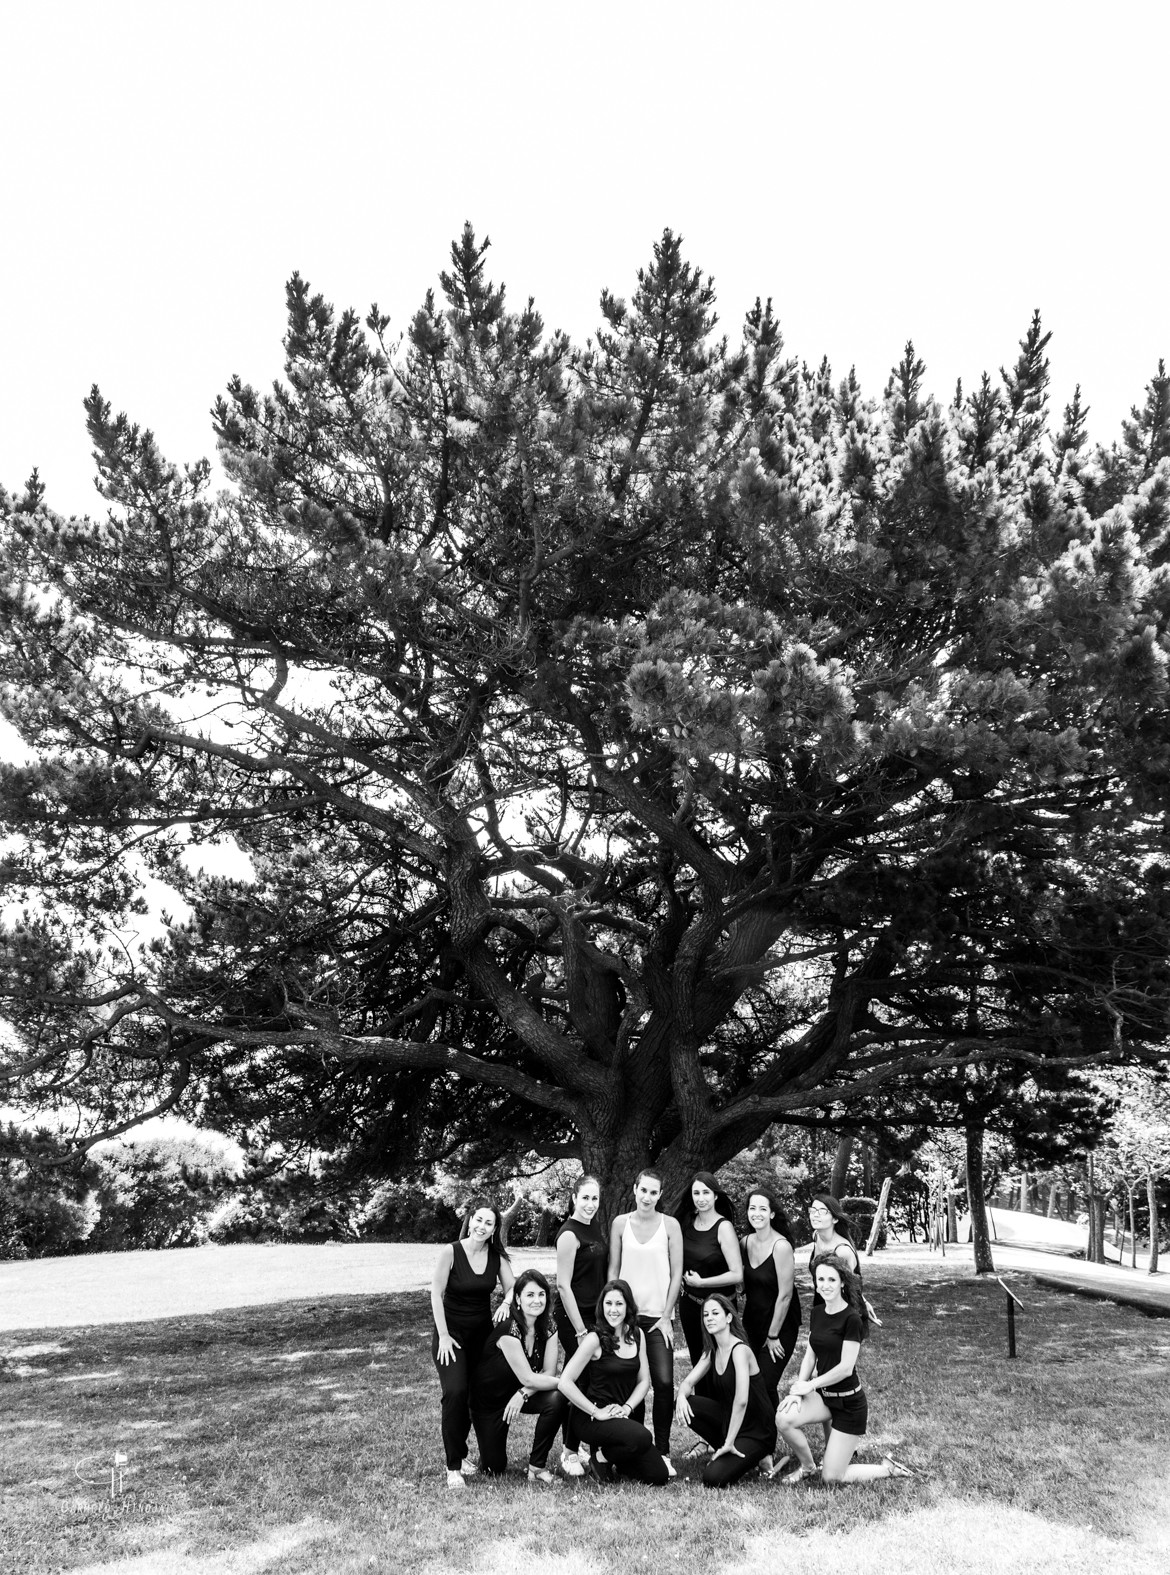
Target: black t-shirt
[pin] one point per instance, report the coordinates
(826, 1334)
(589, 1265)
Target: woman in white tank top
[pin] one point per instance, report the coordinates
(646, 1268)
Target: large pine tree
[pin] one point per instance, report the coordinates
(633, 744)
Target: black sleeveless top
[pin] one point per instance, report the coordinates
(703, 1255)
(589, 1266)
(493, 1382)
(613, 1379)
(761, 1288)
(467, 1301)
(759, 1422)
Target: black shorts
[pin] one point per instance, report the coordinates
(848, 1413)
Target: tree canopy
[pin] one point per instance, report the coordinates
(633, 743)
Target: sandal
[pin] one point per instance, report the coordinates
(540, 1474)
(899, 1468)
(793, 1472)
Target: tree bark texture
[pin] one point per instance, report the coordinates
(1152, 1196)
(839, 1178)
(981, 1240)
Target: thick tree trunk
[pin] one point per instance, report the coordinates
(1155, 1224)
(1096, 1249)
(838, 1180)
(980, 1239)
(879, 1215)
(952, 1221)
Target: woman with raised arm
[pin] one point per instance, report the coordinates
(518, 1372)
(581, 1265)
(732, 1411)
(771, 1312)
(465, 1276)
(828, 1388)
(710, 1254)
(619, 1380)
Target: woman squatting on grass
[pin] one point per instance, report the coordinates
(461, 1302)
(518, 1372)
(731, 1411)
(619, 1380)
(828, 1388)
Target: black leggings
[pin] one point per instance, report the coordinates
(455, 1382)
(660, 1359)
(710, 1421)
(491, 1431)
(569, 1344)
(772, 1370)
(628, 1445)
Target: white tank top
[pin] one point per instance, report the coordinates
(645, 1267)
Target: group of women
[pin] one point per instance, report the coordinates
(613, 1319)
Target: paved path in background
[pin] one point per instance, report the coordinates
(135, 1287)
(1109, 1281)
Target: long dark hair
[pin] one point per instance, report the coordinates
(850, 1285)
(781, 1224)
(685, 1213)
(628, 1332)
(737, 1329)
(542, 1323)
(482, 1201)
(843, 1223)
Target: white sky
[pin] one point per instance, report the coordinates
(883, 171)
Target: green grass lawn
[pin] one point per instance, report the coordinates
(304, 1437)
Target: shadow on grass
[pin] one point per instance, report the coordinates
(304, 1437)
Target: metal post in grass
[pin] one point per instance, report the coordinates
(1013, 1301)
(120, 1460)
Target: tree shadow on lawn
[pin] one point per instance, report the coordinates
(323, 1413)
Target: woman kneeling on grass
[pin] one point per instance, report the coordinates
(518, 1372)
(733, 1413)
(828, 1388)
(619, 1378)
(461, 1301)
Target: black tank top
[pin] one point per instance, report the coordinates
(467, 1301)
(758, 1421)
(589, 1266)
(613, 1378)
(702, 1255)
(761, 1288)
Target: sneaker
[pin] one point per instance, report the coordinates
(670, 1471)
(571, 1464)
(455, 1479)
(468, 1468)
